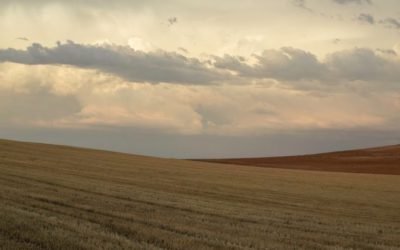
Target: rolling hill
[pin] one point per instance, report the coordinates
(56, 197)
(382, 160)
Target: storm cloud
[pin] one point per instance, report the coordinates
(294, 64)
(364, 65)
(123, 61)
(285, 64)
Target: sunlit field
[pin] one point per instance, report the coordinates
(54, 197)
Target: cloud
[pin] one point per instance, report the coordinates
(364, 65)
(29, 96)
(172, 21)
(366, 18)
(353, 1)
(391, 23)
(286, 64)
(183, 50)
(58, 98)
(289, 64)
(390, 52)
(23, 39)
(22, 109)
(301, 4)
(123, 61)
(138, 43)
(114, 103)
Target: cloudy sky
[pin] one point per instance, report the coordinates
(201, 78)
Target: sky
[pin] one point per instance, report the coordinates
(201, 79)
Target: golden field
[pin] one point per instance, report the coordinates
(55, 197)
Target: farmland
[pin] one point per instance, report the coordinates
(381, 160)
(56, 197)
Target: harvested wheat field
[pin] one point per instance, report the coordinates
(383, 160)
(54, 197)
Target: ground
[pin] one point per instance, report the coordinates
(54, 197)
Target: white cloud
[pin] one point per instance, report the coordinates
(138, 43)
(62, 97)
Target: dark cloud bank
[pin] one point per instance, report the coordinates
(287, 64)
(294, 64)
(123, 61)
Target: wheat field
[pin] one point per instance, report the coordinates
(54, 197)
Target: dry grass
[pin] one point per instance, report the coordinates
(55, 197)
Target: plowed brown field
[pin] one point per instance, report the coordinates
(383, 160)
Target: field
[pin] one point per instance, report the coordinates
(383, 160)
(54, 197)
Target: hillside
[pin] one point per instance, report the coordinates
(55, 197)
(383, 160)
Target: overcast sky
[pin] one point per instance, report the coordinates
(201, 78)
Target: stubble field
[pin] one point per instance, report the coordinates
(54, 197)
